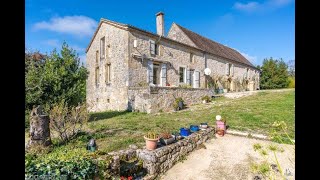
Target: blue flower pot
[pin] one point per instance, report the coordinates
(185, 132)
(194, 128)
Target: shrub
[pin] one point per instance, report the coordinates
(291, 82)
(57, 77)
(176, 103)
(185, 85)
(206, 98)
(67, 121)
(152, 135)
(71, 164)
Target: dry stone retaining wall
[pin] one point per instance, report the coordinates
(155, 99)
(158, 161)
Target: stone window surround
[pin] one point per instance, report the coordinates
(102, 47)
(97, 76)
(108, 73)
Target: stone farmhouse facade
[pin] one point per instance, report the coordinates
(133, 69)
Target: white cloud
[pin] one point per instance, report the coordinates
(52, 42)
(279, 3)
(75, 25)
(264, 6)
(249, 7)
(252, 59)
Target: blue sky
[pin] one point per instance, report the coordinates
(257, 29)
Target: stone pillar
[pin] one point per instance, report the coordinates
(39, 128)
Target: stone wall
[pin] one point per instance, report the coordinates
(129, 71)
(155, 99)
(179, 56)
(160, 160)
(113, 95)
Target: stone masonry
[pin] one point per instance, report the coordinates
(160, 160)
(155, 99)
(130, 68)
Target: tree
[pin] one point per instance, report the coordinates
(57, 78)
(291, 68)
(274, 74)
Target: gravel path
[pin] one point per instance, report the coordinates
(228, 157)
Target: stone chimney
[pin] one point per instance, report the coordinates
(160, 23)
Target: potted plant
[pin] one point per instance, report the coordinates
(220, 125)
(220, 132)
(166, 138)
(203, 126)
(206, 99)
(151, 140)
(178, 104)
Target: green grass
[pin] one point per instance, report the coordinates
(255, 113)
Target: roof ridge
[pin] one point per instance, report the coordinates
(204, 37)
(214, 47)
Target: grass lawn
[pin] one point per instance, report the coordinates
(256, 113)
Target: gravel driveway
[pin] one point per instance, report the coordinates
(229, 157)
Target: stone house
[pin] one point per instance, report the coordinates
(133, 69)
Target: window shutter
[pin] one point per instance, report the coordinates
(227, 69)
(152, 47)
(248, 73)
(196, 79)
(188, 77)
(164, 74)
(232, 70)
(150, 72)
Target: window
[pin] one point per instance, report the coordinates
(154, 48)
(182, 74)
(97, 76)
(97, 57)
(191, 58)
(108, 100)
(108, 75)
(102, 47)
(227, 69)
(156, 74)
(230, 69)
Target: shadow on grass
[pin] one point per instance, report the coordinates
(106, 115)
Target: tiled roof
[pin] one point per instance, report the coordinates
(215, 48)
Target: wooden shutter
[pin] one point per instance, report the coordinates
(188, 77)
(164, 74)
(152, 47)
(248, 73)
(232, 70)
(196, 79)
(227, 69)
(150, 72)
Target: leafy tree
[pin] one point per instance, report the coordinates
(57, 78)
(274, 74)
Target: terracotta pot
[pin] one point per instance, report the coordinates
(220, 132)
(151, 144)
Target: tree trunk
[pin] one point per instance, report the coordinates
(39, 128)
